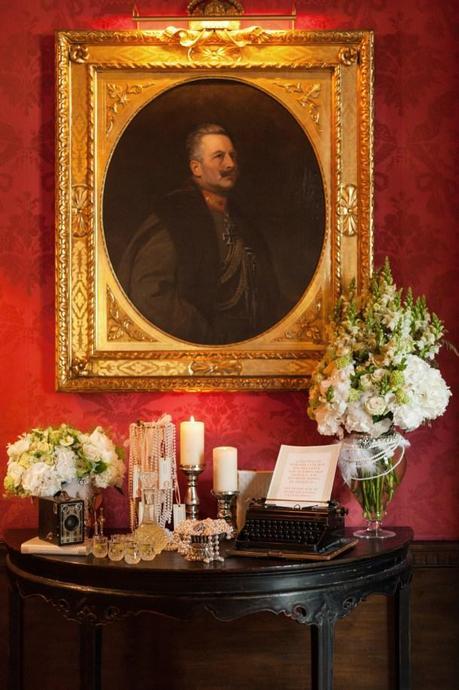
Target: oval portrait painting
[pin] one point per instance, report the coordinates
(214, 211)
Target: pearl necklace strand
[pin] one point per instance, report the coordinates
(153, 450)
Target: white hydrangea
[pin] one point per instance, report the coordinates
(98, 446)
(428, 395)
(65, 463)
(112, 476)
(358, 419)
(40, 479)
(328, 422)
(15, 471)
(21, 446)
(45, 461)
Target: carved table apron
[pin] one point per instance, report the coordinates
(96, 592)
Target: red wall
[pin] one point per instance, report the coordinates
(416, 209)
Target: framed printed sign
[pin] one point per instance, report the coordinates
(214, 196)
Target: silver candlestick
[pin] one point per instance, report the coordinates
(192, 499)
(226, 507)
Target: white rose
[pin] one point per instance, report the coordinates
(365, 382)
(376, 405)
(378, 375)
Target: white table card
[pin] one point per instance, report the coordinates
(303, 475)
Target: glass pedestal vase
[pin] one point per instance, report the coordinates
(373, 469)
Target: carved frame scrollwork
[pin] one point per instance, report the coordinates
(324, 79)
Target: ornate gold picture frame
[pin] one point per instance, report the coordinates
(296, 106)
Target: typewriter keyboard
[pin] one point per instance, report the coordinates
(283, 531)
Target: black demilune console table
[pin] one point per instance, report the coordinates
(97, 592)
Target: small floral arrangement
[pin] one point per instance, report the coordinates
(377, 371)
(42, 461)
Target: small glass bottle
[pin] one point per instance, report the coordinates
(148, 530)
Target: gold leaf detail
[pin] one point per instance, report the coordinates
(120, 98)
(348, 55)
(127, 368)
(120, 326)
(214, 45)
(306, 96)
(215, 54)
(308, 327)
(81, 210)
(214, 8)
(225, 368)
(348, 210)
(80, 367)
(78, 53)
(79, 304)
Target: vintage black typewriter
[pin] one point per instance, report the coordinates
(314, 529)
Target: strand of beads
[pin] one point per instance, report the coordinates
(199, 540)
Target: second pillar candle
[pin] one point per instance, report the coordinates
(225, 469)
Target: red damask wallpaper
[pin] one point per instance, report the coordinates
(416, 208)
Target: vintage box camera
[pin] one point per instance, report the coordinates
(61, 519)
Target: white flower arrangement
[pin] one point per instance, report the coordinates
(377, 371)
(42, 461)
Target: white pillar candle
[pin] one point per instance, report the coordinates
(225, 468)
(192, 442)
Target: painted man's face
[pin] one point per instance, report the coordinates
(216, 170)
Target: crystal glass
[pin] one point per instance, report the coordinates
(132, 552)
(147, 551)
(116, 547)
(99, 546)
(373, 469)
(149, 531)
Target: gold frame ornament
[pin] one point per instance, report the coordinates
(324, 79)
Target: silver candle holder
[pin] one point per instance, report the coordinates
(192, 502)
(226, 507)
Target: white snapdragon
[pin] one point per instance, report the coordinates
(375, 372)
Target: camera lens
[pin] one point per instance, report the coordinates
(71, 522)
